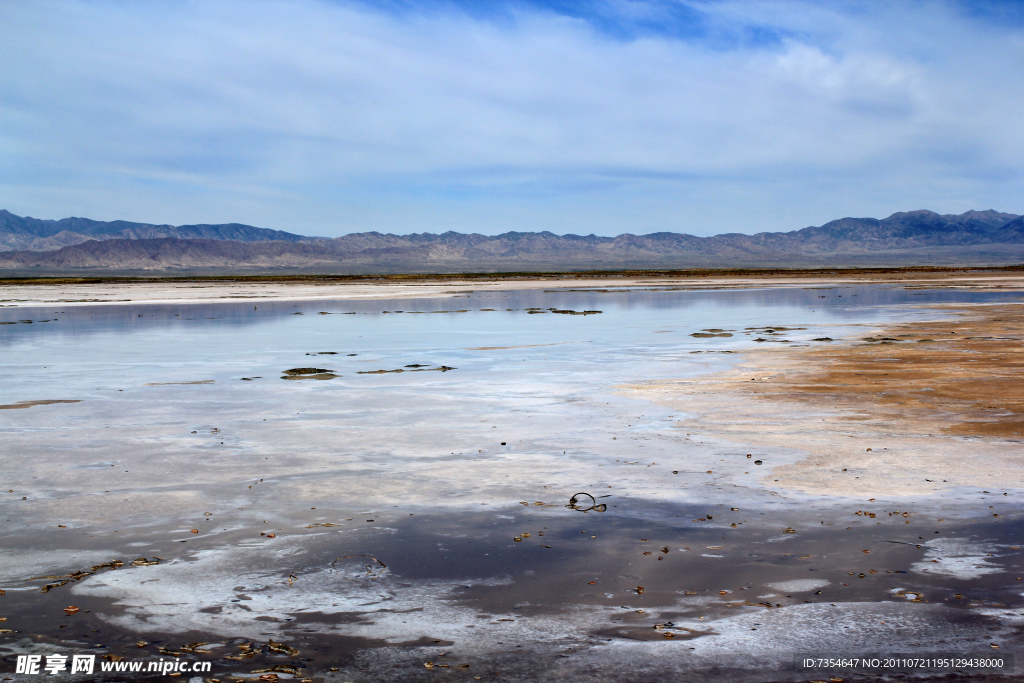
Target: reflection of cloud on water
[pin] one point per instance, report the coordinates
(798, 585)
(770, 638)
(220, 592)
(16, 565)
(957, 558)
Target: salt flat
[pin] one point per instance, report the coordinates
(408, 499)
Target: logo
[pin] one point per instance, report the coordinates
(55, 664)
(85, 664)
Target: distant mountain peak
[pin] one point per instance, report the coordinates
(80, 244)
(25, 232)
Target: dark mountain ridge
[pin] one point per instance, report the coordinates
(33, 234)
(907, 238)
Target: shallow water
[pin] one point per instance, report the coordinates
(184, 420)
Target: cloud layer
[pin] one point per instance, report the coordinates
(330, 117)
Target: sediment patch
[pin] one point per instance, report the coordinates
(912, 408)
(28, 404)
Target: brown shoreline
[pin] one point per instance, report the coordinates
(688, 273)
(913, 408)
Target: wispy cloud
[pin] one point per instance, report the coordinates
(618, 116)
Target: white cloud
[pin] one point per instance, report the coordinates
(327, 117)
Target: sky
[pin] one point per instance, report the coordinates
(325, 117)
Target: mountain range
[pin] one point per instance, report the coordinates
(908, 238)
(33, 234)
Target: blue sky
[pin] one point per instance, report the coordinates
(328, 117)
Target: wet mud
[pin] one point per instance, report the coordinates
(578, 591)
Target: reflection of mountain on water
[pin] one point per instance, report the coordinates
(839, 302)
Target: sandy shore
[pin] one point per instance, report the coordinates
(911, 409)
(198, 290)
